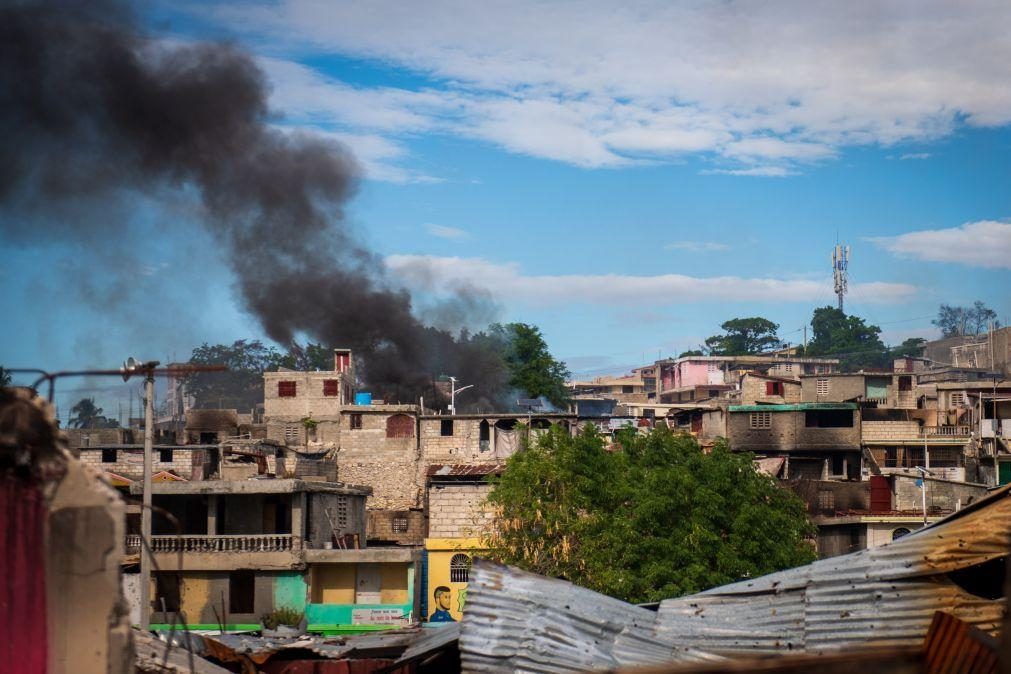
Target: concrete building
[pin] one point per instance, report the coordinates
(761, 389)
(234, 550)
(676, 377)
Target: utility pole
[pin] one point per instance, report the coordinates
(840, 275)
(129, 368)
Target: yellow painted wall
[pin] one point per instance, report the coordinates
(440, 553)
(393, 583)
(333, 584)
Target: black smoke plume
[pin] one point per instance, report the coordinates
(91, 107)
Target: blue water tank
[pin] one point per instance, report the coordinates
(363, 399)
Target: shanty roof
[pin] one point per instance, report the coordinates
(519, 621)
(884, 596)
(796, 407)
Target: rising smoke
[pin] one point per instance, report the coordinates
(91, 108)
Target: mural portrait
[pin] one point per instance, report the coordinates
(443, 597)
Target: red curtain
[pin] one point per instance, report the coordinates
(23, 647)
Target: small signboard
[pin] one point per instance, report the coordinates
(377, 616)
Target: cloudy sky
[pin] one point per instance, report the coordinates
(625, 175)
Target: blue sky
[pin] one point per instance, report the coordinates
(626, 178)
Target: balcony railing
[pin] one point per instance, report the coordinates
(133, 544)
(240, 543)
(945, 431)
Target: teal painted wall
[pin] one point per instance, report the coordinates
(340, 614)
(290, 590)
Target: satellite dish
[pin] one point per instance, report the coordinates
(129, 367)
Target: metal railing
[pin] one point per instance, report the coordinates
(223, 543)
(945, 431)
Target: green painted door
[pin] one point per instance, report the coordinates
(1005, 472)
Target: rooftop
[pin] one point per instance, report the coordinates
(797, 407)
(254, 486)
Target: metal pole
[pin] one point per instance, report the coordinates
(923, 494)
(145, 513)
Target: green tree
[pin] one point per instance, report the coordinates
(241, 387)
(962, 321)
(849, 338)
(5, 377)
(88, 415)
(531, 367)
(656, 518)
(744, 336)
(691, 352)
(911, 347)
(308, 358)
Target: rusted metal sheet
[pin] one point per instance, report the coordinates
(885, 595)
(954, 647)
(520, 622)
(465, 469)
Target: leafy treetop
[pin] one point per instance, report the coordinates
(744, 336)
(849, 338)
(531, 367)
(961, 321)
(85, 414)
(656, 518)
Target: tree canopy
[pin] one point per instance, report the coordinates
(744, 336)
(962, 321)
(656, 518)
(241, 387)
(5, 376)
(849, 338)
(531, 367)
(85, 414)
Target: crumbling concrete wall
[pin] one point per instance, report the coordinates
(404, 527)
(88, 618)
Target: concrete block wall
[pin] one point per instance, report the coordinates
(394, 478)
(941, 494)
(457, 511)
(889, 430)
(380, 526)
(308, 400)
(753, 390)
(130, 462)
(789, 431)
(461, 447)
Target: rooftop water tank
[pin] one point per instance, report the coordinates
(363, 399)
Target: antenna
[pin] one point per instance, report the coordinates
(840, 275)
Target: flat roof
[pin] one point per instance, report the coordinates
(267, 486)
(797, 407)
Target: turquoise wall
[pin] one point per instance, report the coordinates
(290, 591)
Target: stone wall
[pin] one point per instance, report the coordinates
(456, 511)
(387, 526)
(789, 431)
(309, 399)
(753, 390)
(889, 430)
(130, 462)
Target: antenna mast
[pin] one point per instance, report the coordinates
(840, 263)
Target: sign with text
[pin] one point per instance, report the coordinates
(378, 616)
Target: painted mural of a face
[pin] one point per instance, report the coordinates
(443, 601)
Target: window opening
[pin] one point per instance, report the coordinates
(900, 532)
(286, 389)
(446, 428)
(331, 387)
(828, 418)
(821, 387)
(761, 419)
(165, 455)
(108, 456)
(459, 569)
(241, 591)
(400, 524)
(355, 421)
(166, 586)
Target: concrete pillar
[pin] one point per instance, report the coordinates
(299, 527)
(212, 514)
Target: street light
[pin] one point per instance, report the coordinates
(453, 390)
(923, 490)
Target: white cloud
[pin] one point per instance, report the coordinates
(596, 83)
(986, 243)
(915, 155)
(697, 246)
(760, 171)
(507, 282)
(444, 232)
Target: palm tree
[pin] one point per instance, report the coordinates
(86, 414)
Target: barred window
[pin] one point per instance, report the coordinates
(355, 421)
(286, 389)
(761, 419)
(459, 569)
(821, 387)
(291, 432)
(957, 399)
(400, 524)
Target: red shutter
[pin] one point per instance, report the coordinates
(881, 494)
(331, 387)
(285, 389)
(770, 388)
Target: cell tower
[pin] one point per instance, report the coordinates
(840, 262)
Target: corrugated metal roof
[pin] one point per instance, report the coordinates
(465, 469)
(518, 621)
(432, 639)
(885, 595)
